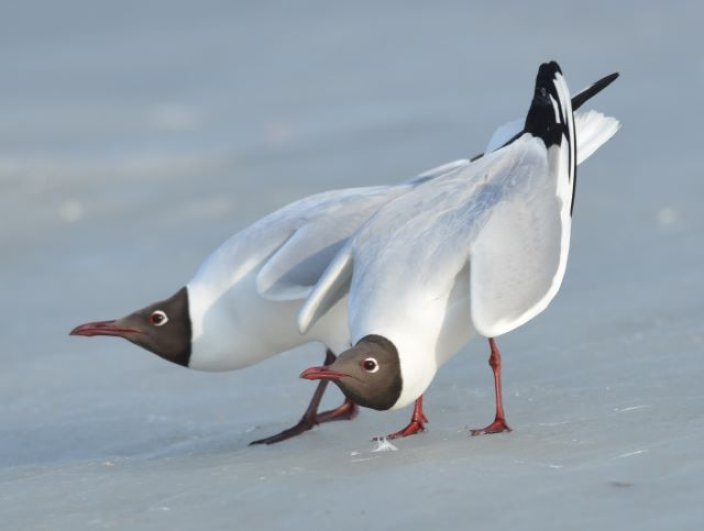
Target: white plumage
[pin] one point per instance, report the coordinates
(257, 281)
(483, 247)
(241, 306)
(245, 297)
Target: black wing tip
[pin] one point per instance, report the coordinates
(541, 120)
(601, 84)
(546, 77)
(549, 68)
(593, 90)
(547, 73)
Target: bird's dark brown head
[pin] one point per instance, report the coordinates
(369, 373)
(163, 328)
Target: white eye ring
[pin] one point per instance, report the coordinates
(158, 318)
(370, 365)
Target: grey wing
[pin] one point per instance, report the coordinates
(295, 268)
(439, 171)
(517, 259)
(332, 286)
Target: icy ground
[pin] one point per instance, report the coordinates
(135, 138)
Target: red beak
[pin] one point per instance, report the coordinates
(321, 373)
(102, 328)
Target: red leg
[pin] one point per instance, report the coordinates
(417, 424)
(311, 418)
(499, 423)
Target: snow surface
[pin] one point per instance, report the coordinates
(136, 136)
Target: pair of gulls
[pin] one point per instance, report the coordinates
(393, 279)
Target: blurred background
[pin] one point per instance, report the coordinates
(135, 137)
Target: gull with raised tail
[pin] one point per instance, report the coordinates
(481, 250)
(240, 308)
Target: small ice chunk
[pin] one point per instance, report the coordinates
(384, 445)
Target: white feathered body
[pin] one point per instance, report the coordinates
(482, 248)
(245, 297)
(234, 324)
(425, 238)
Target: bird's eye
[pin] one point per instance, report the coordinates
(370, 365)
(158, 318)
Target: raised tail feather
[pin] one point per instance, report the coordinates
(509, 132)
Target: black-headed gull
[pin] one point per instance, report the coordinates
(240, 307)
(482, 248)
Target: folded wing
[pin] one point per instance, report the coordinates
(518, 258)
(292, 270)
